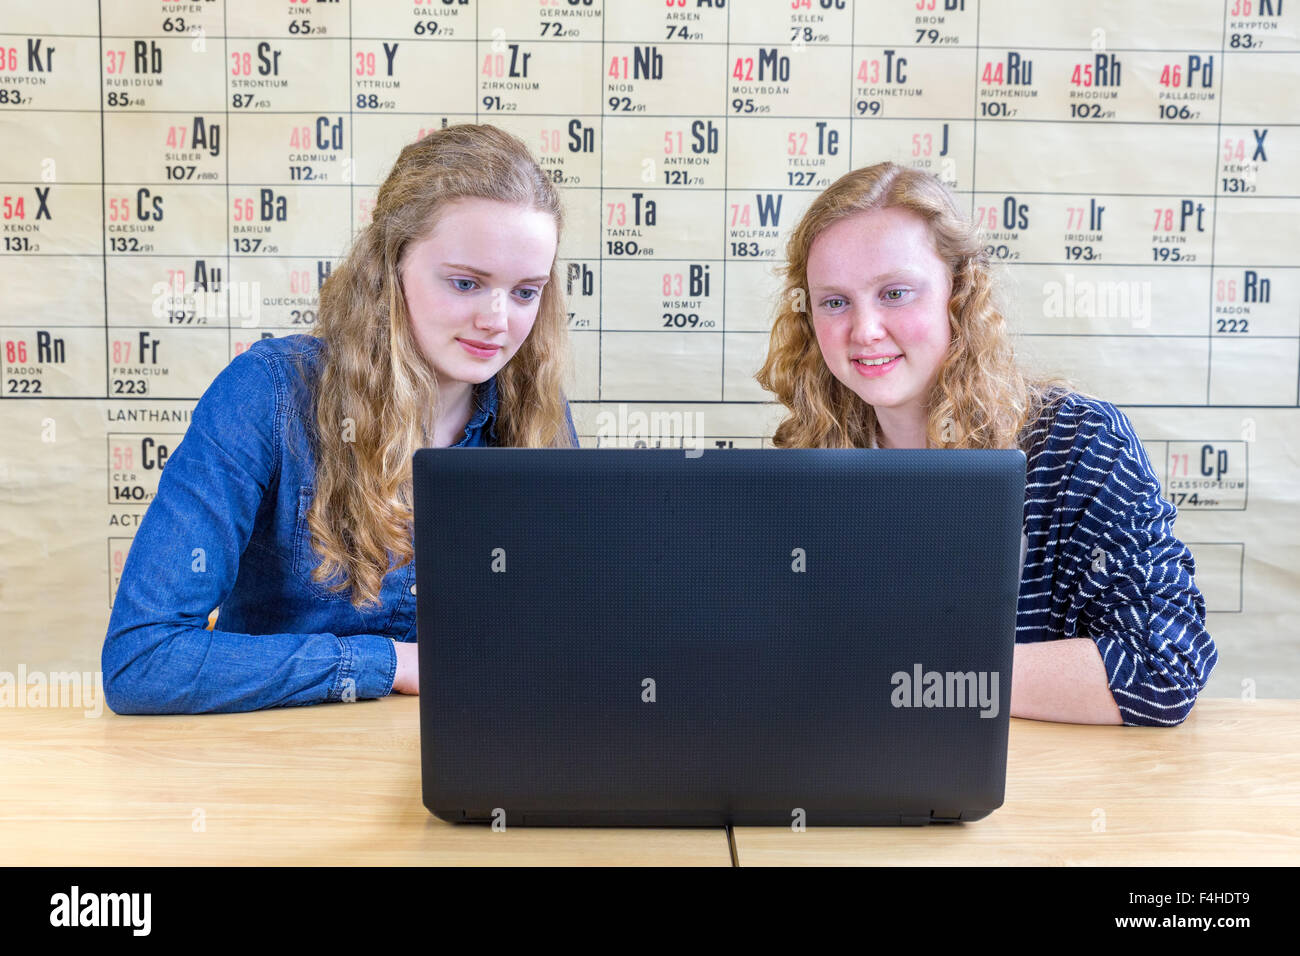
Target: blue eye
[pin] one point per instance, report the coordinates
(830, 303)
(533, 293)
(470, 281)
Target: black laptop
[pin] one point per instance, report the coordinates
(787, 637)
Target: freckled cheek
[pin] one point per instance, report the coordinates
(521, 326)
(919, 329)
(444, 310)
(831, 336)
(424, 304)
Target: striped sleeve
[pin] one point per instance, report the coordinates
(1139, 598)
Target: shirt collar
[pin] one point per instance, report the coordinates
(485, 408)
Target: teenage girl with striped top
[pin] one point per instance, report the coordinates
(888, 335)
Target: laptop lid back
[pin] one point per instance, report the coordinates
(753, 636)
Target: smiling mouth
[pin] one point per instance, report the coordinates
(479, 346)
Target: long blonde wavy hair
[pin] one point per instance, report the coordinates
(373, 373)
(981, 399)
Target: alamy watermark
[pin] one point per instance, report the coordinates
(190, 302)
(640, 430)
(76, 908)
(1098, 299)
(57, 689)
(922, 688)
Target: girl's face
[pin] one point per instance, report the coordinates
(877, 289)
(473, 286)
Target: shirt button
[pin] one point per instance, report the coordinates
(412, 588)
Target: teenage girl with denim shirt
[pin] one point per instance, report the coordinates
(288, 504)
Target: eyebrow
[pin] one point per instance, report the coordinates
(892, 274)
(488, 275)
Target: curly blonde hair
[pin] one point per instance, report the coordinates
(373, 373)
(981, 398)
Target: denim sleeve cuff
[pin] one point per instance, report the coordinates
(367, 667)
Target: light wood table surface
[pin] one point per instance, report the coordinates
(1222, 788)
(340, 784)
(321, 785)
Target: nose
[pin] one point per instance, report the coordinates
(867, 328)
(494, 318)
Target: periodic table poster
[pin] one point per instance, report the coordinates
(178, 177)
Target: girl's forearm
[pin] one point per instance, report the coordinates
(1062, 680)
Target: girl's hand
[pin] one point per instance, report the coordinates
(407, 679)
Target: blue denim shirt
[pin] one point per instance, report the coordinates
(228, 528)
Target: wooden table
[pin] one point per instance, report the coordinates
(1221, 788)
(322, 785)
(340, 784)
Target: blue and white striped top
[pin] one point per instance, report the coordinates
(1103, 561)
